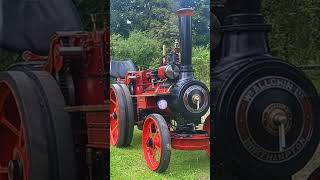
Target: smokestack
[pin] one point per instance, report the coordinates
(244, 30)
(244, 6)
(184, 15)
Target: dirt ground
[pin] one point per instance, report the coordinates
(310, 167)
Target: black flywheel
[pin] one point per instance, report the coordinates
(266, 119)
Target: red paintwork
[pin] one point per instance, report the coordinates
(29, 56)
(11, 132)
(89, 84)
(114, 120)
(161, 72)
(206, 127)
(194, 142)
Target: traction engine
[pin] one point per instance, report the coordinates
(53, 111)
(165, 103)
(265, 118)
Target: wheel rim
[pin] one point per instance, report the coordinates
(114, 117)
(14, 163)
(151, 143)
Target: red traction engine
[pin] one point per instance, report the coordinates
(53, 111)
(165, 103)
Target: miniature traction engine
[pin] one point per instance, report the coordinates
(166, 103)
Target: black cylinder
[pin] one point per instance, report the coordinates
(185, 35)
(243, 6)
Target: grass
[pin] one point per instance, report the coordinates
(129, 163)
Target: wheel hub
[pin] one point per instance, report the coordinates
(114, 115)
(15, 170)
(274, 116)
(150, 143)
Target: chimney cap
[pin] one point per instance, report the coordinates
(185, 12)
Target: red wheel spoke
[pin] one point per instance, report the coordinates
(11, 127)
(156, 134)
(150, 132)
(112, 101)
(5, 94)
(115, 128)
(153, 154)
(156, 142)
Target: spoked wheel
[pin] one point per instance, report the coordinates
(121, 116)
(23, 153)
(156, 143)
(206, 127)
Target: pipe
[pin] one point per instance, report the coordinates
(243, 6)
(184, 15)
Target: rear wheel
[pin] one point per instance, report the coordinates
(58, 125)
(23, 152)
(129, 113)
(156, 143)
(121, 116)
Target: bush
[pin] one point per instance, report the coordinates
(201, 64)
(141, 47)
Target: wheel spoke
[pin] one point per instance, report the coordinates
(114, 129)
(5, 94)
(153, 154)
(156, 133)
(113, 101)
(156, 141)
(11, 127)
(150, 131)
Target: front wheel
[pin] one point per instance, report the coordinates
(156, 143)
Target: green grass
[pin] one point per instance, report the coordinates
(129, 163)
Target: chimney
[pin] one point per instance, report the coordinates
(184, 15)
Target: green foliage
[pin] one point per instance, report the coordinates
(141, 47)
(88, 7)
(296, 30)
(158, 16)
(201, 64)
(7, 58)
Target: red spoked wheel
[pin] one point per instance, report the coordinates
(22, 156)
(156, 143)
(121, 116)
(206, 127)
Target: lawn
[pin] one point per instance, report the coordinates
(128, 163)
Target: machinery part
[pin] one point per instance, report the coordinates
(66, 83)
(25, 151)
(170, 71)
(58, 125)
(206, 127)
(121, 123)
(130, 114)
(156, 143)
(27, 66)
(216, 38)
(190, 100)
(266, 112)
